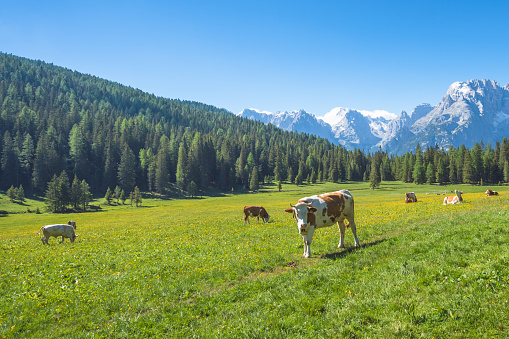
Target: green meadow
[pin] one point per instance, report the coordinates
(189, 268)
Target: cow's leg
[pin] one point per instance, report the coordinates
(354, 231)
(246, 220)
(45, 238)
(342, 227)
(307, 242)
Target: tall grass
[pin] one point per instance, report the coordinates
(192, 268)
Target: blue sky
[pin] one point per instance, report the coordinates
(270, 55)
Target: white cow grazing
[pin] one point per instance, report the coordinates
(324, 210)
(454, 199)
(57, 230)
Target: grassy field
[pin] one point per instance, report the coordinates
(192, 268)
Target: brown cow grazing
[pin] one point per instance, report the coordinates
(255, 211)
(410, 197)
(489, 193)
(324, 210)
(65, 231)
(454, 199)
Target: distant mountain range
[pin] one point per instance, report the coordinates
(470, 112)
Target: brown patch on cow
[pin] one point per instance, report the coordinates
(335, 203)
(324, 211)
(333, 219)
(311, 219)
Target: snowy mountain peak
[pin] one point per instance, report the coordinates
(471, 111)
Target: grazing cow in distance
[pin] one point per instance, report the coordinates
(255, 211)
(454, 199)
(324, 210)
(410, 197)
(489, 193)
(57, 230)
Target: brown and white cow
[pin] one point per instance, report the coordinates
(324, 210)
(456, 199)
(490, 192)
(255, 211)
(410, 197)
(57, 230)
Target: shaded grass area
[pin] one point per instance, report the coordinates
(189, 268)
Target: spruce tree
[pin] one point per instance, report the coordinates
(192, 189)
(86, 196)
(108, 196)
(253, 180)
(419, 172)
(374, 175)
(468, 170)
(182, 167)
(127, 169)
(430, 174)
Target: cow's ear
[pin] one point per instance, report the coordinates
(289, 210)
(312, 209)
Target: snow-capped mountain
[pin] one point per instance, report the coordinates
(299, 121)
(470, 112)
(357, 129)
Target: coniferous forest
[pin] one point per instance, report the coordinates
(57, 124)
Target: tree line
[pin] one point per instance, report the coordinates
(54, 121)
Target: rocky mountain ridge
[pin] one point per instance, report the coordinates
(470, 112)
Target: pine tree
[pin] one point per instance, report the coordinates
(77, 152)
(192, 189)
(468, 169)
(9, 162)
(86, 196)
(122, 197)
(76, 193)
(182, 167)
(162, 174)
(51, 198)
(12, 193)
(127, 169)
(253, 181)
(108, 196)
(440, 175)
(58, 193)
(477, 163)
(430, 173)
(506, 171)
(137, 196)
(419, 172)
(20, 196)
(374, 175)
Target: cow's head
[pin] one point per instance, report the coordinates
(302, 211)
(72, 223)
(265, 216)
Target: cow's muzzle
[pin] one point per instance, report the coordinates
(303, 229)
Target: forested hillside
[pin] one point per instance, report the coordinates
(54, 120)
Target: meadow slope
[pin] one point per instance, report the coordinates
(192, 268)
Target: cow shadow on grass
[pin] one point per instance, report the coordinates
(346, 251)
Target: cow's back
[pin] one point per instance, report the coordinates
(331, 207)
(58, 230)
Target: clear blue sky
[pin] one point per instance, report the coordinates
(271, 55)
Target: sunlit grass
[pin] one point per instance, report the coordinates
(193, 268)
